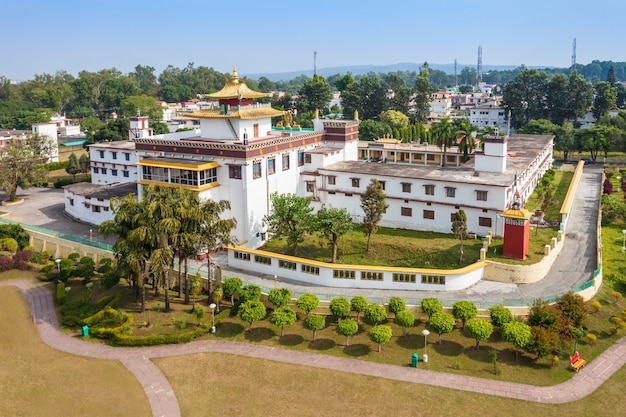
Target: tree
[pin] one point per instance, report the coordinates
(142, 105)
(542, 341)
(525, 97)
(375, 314)
(340, 307)
(347, 327)
(479, 329)
(380, 335)
(459, 228)
(604, 99)
(396, 305)
(333, 223)
(422, 95)
(83, 164)
(441, 323)
(370, 130)
(573, 311)
(542, 314)
(307, 302)
(252, 311)
(315, 322)
(374, 206)
(20, 162)
(218, 296)
(500, 315)
(283, 316)
(431, 306)
(290, 218)
(565, 140)
(405, 319)
(464, 311)
(231, 287)
(395, 119)
(280, 297)
(250, 292)
(314, 94)
(445, 136)
(465, 137)
(517, 333)
(194, 288)
(358, 303)
(368, 96)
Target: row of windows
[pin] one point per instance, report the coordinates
(180, 176)
(114, 155)
(114, 172)
(235, 172)
(315, 270)
(344, 274)
(430, 215)
(403, 277)
(242, 255)
(287, 265)
(266, 260)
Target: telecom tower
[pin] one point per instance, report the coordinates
(456, 83)
(479, 67)
(314, 62)
(574, 55)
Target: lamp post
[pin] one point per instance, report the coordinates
(58, 261)
(90, 236)
(425, 332)
(212, 307)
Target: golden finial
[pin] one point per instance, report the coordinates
(356, 115)
(235, 78)
(317, 114)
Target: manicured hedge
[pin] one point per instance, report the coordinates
(165, 339)
(61, 293)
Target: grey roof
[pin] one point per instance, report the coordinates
(102, 191)
(120, 144)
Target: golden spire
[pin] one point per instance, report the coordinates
(235, 78)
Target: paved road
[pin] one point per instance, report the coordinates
(164, 402)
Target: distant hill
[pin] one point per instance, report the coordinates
(364, 69)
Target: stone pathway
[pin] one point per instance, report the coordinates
(164, 402)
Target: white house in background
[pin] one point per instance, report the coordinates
(487, 114)
(113, 162)
(7, 135)
(440, 104)
(589, 120)
(49, 131)
(91, 203)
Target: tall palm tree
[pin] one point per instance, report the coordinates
(465, 137)
(444, 134)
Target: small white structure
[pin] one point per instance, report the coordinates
(49, 132)
(91, 203)
(487, 114)
(113, 162)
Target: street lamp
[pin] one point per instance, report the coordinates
(90, 236)
(425, 332)
(58, 261)
(212, 307)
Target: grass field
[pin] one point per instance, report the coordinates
(37, 380)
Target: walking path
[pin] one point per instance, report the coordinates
(163, 399)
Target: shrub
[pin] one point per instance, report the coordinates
(596, 306)
(109, 280)
(180, 324)
(613, 330)
(61, 293)
(396, 305)
(500, 315)
(6, 263)
(125, 340)
(38, 258)
(591, 338)
(74, 256)
(555, 361)
(53, 166)
(617, 296)
(431, 306)
(22, 256)
(10, 244)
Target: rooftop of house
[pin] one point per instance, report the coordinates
(121, 144)
(102, 191)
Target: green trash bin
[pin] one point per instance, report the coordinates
(414, 360)
(85, 331)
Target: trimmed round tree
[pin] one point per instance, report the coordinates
(479, 329)
(283, 316)
(405, 319)
(375, 314)
(441, 323)
(500, 315)
(464, 310)
(231, 287)
(315, 322)
(396, 305)
(279, 296)
(431, 306)
(307, 303)
(250, 292)
(517, 333)
(358, 304)
(252, 311)
(380, 334)
(347, 327)
(340, 307)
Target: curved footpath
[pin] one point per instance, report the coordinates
(164, 403)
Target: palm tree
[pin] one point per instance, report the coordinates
(465, 138)
(444, 136)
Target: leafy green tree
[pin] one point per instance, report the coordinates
(72, 166)
(368, 96)
(266, 85)
(373, 129)
(565, 140)
(374, 206)
(315, 322)
(542, 341)
(400, 97)
(291, 218)
(358, 303)
(314, 94)
(479, 329)
(459, 228)
(395, 119)
(145, 79)
(340, 307)
(441, 323)
(464, 311)
(539, 127)
(604, 99)
(465, 135)
(307, 302)
(347, 327)
(573, 312)
(250, 292)
(218, 296)
(375, 314)
(159, 128)
(380, 335)
(405, 319)
(83, 164)
(252, 311)
(396, 305)
(194, 288)
(143, 105)
(20, 163)
(422, 95)
(333, 223)
(431, 306)
(283, 316)
(517, 333)
(542, 314)
(280, 297)
(231, 287)
(445, 136)
(525, 96)
(500, 315)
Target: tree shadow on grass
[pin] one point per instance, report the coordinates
(227, 330)
(322, 344)
(291, 340)
(447, 348)
(411, 341)
(259, 334)
(358, 349)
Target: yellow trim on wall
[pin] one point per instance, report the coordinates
(186, 187)
(163, 164)
(569, 197)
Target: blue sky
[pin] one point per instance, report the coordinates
(43, 36)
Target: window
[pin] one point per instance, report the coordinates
(234, 171)
(484, 221)
(114, 155)
(332, 180)
(126, 174)
(450, 159)
(310, 187)
(429, 189)
(95, 209)
(271, 166)
(382, 184)
(450, 192)
(481, 195)
(96, 170)
(104, 171)
(430, 157)
(285, 162)
(406, 211)
(314, 270)
(256, 170)
(242, 255)
(71, 201)
(452, 217)
(343, 274)
(348, 194)
(286, 264)
(126, 156)
(434, 279)
(300, 159)
(429, 214)
(406, 187)
(307, 158)
(403, 277)
(114, 172)
(265, 260)
(372, 276)
(356, 182)
(101, 154)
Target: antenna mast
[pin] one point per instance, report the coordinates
(479, 66)
(574, 54)
(455, 79)
(314, 62)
